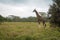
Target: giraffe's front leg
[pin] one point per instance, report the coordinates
(38, 21)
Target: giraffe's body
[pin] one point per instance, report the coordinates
(39, 17)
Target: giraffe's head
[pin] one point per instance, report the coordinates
(34, 10)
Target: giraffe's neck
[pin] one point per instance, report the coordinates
(37, 14)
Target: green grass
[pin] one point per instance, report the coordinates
(28, 31)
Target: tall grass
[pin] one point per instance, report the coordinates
(27, 31)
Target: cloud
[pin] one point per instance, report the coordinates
(13, 1)
(22, 11)
(22, 8)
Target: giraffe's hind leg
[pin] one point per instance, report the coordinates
(44, 24)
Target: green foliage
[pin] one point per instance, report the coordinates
(55, 13)
(13, 18)
(44, 15)
(2, 19)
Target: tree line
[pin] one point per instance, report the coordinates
(12, 18)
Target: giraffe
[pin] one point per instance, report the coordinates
(39, 18)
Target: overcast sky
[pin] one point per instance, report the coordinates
(23, 8)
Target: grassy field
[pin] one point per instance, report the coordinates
(28, 31)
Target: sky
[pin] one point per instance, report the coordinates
(23, 8)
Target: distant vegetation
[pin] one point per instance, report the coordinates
(2, 19)
(13, 18)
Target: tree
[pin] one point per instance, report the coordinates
(54, 11)
(12, 18)
(32, 19)
(44, 15)
(2, 19)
